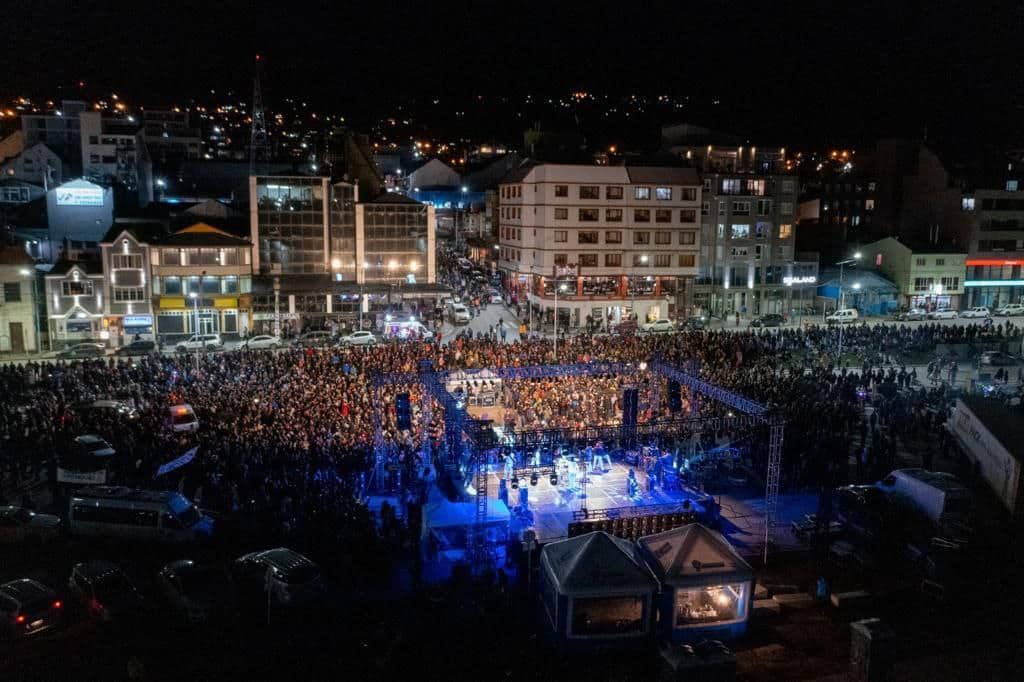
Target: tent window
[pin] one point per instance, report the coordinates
(710, 604)
(607, 616)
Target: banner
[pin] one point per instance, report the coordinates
(81, 477)
(176, 463)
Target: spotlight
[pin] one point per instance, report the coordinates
(515, 483)
(533, 478)
(554, 479)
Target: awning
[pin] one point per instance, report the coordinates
(172, 301)
(225, 302)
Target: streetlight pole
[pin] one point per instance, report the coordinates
(842, 299)
(558, 287)
(195, 331)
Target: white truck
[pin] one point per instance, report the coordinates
(938, 495)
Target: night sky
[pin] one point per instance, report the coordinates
(816, 72)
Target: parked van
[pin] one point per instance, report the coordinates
(410, 329)
(938, 495)
(136, 515)
(843, 316)
(182, 419)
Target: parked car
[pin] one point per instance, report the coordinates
(459, 313)
(182, 419)
(18, 524)
(997, 358)
(28, 607)
(496, 297)
(843, 316)
(105, 591)
(694, 323)
(194, 591)
(943, 314)
(262, 342)
(320, 337)
(1010, 310)
(661, 326)
(107, 407)
(976, 311)
(82, 350)
(769, 320)
(358, 338)
(200, 342)
(136, 348)
(291, 579)
(85, 462)
(914, 314)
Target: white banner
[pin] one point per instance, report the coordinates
(81, 477)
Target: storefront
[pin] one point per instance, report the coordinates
(222, 315)
(137, 327)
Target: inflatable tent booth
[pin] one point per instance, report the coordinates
(706, 586)
(596, 589)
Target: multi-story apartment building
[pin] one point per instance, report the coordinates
(612, 241)
(113, 150)
(74, 302)
(126, 284)
(993, 231)
(748, 262)
(169, 135)
(202, 282)
(926, 275)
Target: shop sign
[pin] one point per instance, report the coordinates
(789, 281)
(138, 320)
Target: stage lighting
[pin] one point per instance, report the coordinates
(554, 479)
(533, 478)
(515, 483)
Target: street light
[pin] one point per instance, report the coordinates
(632, 289)
(563, 288)
(195, 332)
(842, 297)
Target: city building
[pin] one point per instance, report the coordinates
(202, 283)
(290, 224)
(169, 134)
(114, 151)
(926, 275)
(124, 254)
(18, 314)
(994, 236)
(74, 302)
(38, 164)
(748, 260)
(60, 130)
(609, 241)
(79, 212)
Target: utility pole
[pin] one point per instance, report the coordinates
(259, 146)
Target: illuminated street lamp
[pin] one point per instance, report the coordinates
(563, 288)
(842, 296)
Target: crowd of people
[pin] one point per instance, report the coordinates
(287, 437)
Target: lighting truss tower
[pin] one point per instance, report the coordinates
(259, 146)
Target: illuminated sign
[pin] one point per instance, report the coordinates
(788, 281)
(79, 196)
(138, 320)
(994, 283)
(990, 261)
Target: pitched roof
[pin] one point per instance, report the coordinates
(597, 563)
(63, 267)
(145, 232)
(203, 234)
(684, 553)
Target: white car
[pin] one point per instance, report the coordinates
(262, 342)
(200, 342)
(18, 524)
(496, 297)
(1010, 310)
(944, 314)
(459, 314)
(843, 316)
(661, 326)
(976, 311)
(358, 338)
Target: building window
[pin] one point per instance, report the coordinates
(613, 260)
(642, 193)
(640, 260)
(940, 261)
(561, 214)
(785, 231)
(561, 259)
(613, 237)
(739, 231)
(721, 230)
(687, 260)
(741, 208)
(126, 261)
(587, 238)
(663, 193)
(171, 285)
(688, 194)
(688, 215)
(869, 205)
(12, 292)
(641, 237)
(663, 215)
(687, 237)
(661, 237)
(613, 215)
(561, 190)
(590, 192)
(663, 260)
(707, 184)
(740, 251)
(705, 207)
(641, 215)
(788, 186)
(967, 203)
(732, 186)
(82, 287)
(589, 215)
(921, 261)
(612, 192)
(764, 207)
(762, 230)
(561, 236)
(125, 295)
(588, 260)
(755, 187)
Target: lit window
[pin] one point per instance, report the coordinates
(642, 193)
(785, 231)
(663, 193)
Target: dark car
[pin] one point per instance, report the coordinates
(82, 350)
(314, 339)
(27, 607)
(105, 591)
(694, 323)
(997, 358)
(136, 348)
(196, 592)
(292, 580)
(769, 320)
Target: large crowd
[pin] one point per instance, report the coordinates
(286, 438)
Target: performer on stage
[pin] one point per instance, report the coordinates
(510, 466)
(603, 460)
(573, 473)
(536, 458)
(632, 485)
